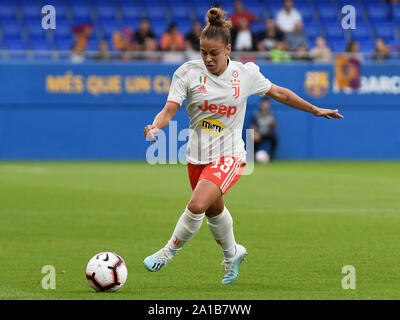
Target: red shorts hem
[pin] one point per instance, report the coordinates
(224, 172)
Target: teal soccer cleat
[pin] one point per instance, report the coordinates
(231, 265)
(158, 260)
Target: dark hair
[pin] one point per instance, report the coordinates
(217, 26)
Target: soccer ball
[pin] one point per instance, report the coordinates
(262, 156)
(106, 271)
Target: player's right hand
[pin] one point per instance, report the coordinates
(150, 131)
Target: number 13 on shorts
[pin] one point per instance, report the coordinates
(224, 172)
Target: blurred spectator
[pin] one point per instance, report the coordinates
(239, 13)
(279, 53)
(82, 33)
(193, 37)
(264, 125)
(78, 52)
(288, 19)
(123, 39)
(353, 47)
(172, 39)
(296, 39)
(353, 50)
(103, 54)
(321, 52)
(150, 49)
(243, 39)
(302, 53)
(267, 38)
(143, 33)
(381, 51)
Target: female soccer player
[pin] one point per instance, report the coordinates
(216, 90)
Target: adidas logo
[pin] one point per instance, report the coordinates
(217, 174)
(202, 89)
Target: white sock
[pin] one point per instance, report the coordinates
(186, 228)
(221, 227)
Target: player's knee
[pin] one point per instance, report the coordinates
(196, 206)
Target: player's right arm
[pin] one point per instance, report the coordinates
(161, 120)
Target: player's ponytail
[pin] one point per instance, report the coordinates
(218, 26)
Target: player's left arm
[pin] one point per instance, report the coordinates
(288, 97)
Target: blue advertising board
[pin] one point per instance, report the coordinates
(98, 110)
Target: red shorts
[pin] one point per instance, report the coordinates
(223, 172)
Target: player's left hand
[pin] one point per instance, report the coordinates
(328, 113)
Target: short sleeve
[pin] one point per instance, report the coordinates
(178, 89)
(259, 84)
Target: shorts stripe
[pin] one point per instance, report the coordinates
(231, 176)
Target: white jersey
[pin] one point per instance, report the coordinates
(216, 106)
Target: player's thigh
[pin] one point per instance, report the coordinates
(204, 195)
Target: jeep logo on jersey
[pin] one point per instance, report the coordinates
(212, 126)
(222, 109)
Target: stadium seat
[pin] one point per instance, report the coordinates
(337, 45)
(258, 26)
(12, 31)
(82, 12)
(42, 45)
(366, 45)
(160, 11)
(229, 8)
(64, 44)
(132, 11)
(33, 30)
(109, 27)
(378, 13)
(200, 10)
(333, 32)
(259, 9)
(16, 45)
(307, 11)
(159, 27)
(396, 13)
(93, 45)
(184, 26)
(63, 30)
(62, 11)
(327, 12)
(106, 12)
(181, 12)
(8, 10)
(385, 30)
(313, 30)
(273, 9)
(361, 32)
(31, 11)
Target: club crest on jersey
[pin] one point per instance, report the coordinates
(235, 85)
(212, 126)
(203, 80)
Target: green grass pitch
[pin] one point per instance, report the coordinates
(301, 222)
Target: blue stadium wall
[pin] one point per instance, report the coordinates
(98, 111)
